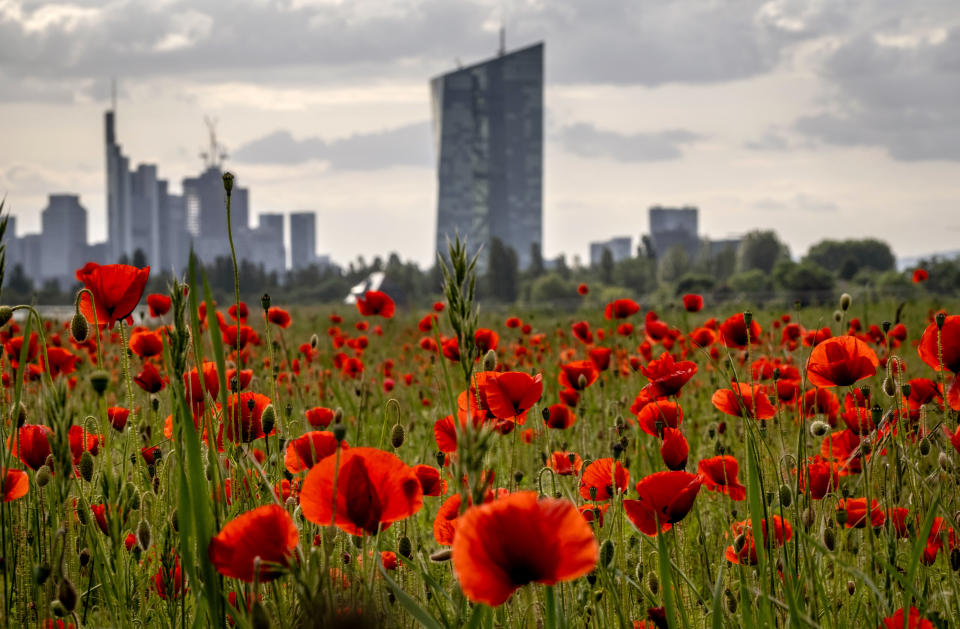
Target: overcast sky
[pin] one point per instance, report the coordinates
(817, 118)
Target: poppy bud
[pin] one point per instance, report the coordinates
(175, 521)
(845, 301)
(228, 182)
(518, 476)
(337, 415)
(339, 432)
(582, 382)
(829, 537)
(86, 466)
(905, 389)
(490, 360)
(288, 409)
(144, 534)
(885, 326)
(57, 608)
(6, 313)
(807, 517)
(739, 542)
(606, 553)
(41, 572)
(84, 557)
(653, 582)
(405, 548)
(444, 554)
(67, 595)
(99, 380)
(851, 587)
(79, 328)
(259, 619)
(837, 316)
(786, 495)
(268, 419)
(841, 516)
(747, 318)
(819, 428)
(593, 494)
(940, 319)
(21, 415)
(955, 559)
(924, 447)
(889, 387)
(731, 600)
(396, 436)
(265, 301)
(251, 404)
(314, 341)
(441, 458)
(43, 476)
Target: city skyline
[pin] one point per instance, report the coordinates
(811, 118)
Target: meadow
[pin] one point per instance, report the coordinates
(242, 464)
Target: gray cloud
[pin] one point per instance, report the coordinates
(408, 145)
(586, 140)
(801, 202)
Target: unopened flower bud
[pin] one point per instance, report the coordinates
(396, 436)
(338, 415)
(808, 517)
(259, 618)
(99, 380)
(490, 360)
(940, 319)
(44, 476)
(851, 587)
(837, 316)
(747, 318)
(786, 495)
(265, 301)
(582, 381)
(41, 572)
(889, 387)
(144, 535)
(829, 538)
(518, 476)
(606, 553)
(339, 432)
(84, 557)
(79, 328)
(819, 428)
(443, 554)
(845, 301)
(944, 461)
(924, 447)
(405, 548)
(653, 582)
(228, 182)
(885, 326)
(6, 313)
(67, 595)
(268, 419)
(86, 466)
(21, 414)
(842, 516)
(441, 458)
(314, 341)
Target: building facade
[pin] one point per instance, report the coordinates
(488, 130)
(303, 239)
(673, 227)
(621, 248)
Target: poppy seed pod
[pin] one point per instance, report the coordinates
(265, 302)
(885, 326)
(396, 436)
(228, 182)
(84, 557)
(339, 432)
(86, 466)
(79, 328)
(99, 380)
(819, 428)
(940, 319)
(441, 458)
(518, 476)
(6, 313)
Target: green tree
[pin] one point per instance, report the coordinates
(760, 250)
(847, 257)
(805, 282)
(561, 268)
(536, 260)
(752, 281)
(674, 264)
(606, 266)
(637, 274)
(552, 288)
(502, 272)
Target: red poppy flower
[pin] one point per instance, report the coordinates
(374, 489)
(821, 402)
(159, 304)
(744, 400)
(581, 330)
(692, 303)
(61, 361)
(659, 412)
(665, 499)
(857, 512)
(116, 289)
(278, 317)
(674, 449)
(570, 397)
(151, 455)
(839, 448)
(267, 533)
(485, 340)
(145, 343)
(445, 434)
(565, 463)
(602, 478)
(438, 306)
(559, 416)
(234, 339)
(319, 416)
(824, 478)
(376, 303)
(211, 383)
(244, 312)
(149, 379)
(243, 425)
(117, 416)
(719, 473)
(733, 332)
(85, 270)
(583, 289)
(840, 361)
(430, 480)
(511, 393)
(944, 344)
(518, 539)
(100, 517)
(667, 376)
(16, 484)
(82, 440)
(747, 553)
(578, 375)
(703, 337)
(920, 275)
(169, 579)
(913, 620)
(621, 309)
(306, 451)
(235, 383)
(31, 444)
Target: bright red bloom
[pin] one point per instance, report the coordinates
(840, 361)
(445, 434)
(159, 304)
(719, 473)
(857, 512)
(667, 376)
(948, 348)
(583, 289)
(235, 339)
(665, 499)
(117, 416)
(733, 332)
(31, 444)
(920, 275)
(82, 440)
(703, 337)
(430, 480)
(266, 532)
(376, 303)
(374, 489)
(306, 451)
(824, 478)
(244, 312)
(913, 620)
(510, 393)
(621, 309)
(149, 379)
(692, 303)
(581, 330)
(243, 425)
(438, 306)
(747, 554)
(744, 400)
(600, 357)
(85, 270)
(211, 383)
(565, 463)
(61, 361)
(485, 340)
(559, 416)
(578, 375)
(278, 317)
(602, 478)
(16, 484)
(319, 416)
(146, 343)
(518, 539)
(169, 580)
(116, 289)
(674, 449)
(662, 412)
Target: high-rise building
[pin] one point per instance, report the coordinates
(64, 238)
(205, 202)
(264, 244)
(620, 248)
(673, 227)
(119, 219)
(303, 239)
(488, 128)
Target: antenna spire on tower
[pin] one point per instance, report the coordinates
(113, 94)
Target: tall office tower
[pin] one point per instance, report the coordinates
(303, 239)
(173, 237)
(119, 210)
(488, 128)
(206, 210)
(266, 244)
(145, 206)
(672, 227)
(64, 239)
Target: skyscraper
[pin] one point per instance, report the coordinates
(488, 128)
(303, 239)
(63, 239)
(119, 221)
(674, 227)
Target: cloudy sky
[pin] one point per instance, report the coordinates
(817, 118)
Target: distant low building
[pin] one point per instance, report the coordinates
(621, 248)
(672, 227)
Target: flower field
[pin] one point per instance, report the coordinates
(237, 464)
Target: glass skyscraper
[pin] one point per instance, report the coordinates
(488, 128)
